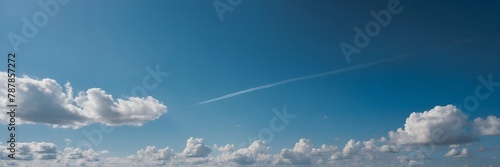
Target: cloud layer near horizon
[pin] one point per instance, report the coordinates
(412, 145)
(355, 153)
(43, 101)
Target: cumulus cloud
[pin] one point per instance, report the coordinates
(195, 152)
(195, 147)
(299, 155)
(355, 153)
(457, 154)
(152, 153)
(226, 148)
(389, 148)
(401, 148)
(440, 125)
(77, 154)
(324, 150)
(488, 126)
(304, 153)
(43, 101)
(255, 153)
(352, 147)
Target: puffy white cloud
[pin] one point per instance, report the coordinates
(152, 153)
(336, 156)
(488, 126)
(226, 148)
(259, 146)
(324, 150)
(77, 154)
(256, 153)
(370, 145)
(43, 101)
(290, 157)
(300, 154)
(352, 147)
(303, 146)
(457, 154)
(440, 125)
(195, 147)
(389, 148)
(358, 153)
(383, 152)
(195, 152)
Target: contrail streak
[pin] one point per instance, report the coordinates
(333, 72)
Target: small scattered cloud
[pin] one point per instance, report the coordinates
(457, 154)
(67, 140)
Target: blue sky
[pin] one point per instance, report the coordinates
(108, 45)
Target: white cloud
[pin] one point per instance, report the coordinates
(403, 159)
(457, 154)
(77, 154)
(153, 154)
(300, 154)
(488, 126)
(43, 101)
(370, 145)
(389, 148)
(67, 140)
(358, 153)
(226, 148)
(336, 156)
(352, 147)
(440, 125)
(256, 153)
(35, 151)
(303, 146)
(355, 153)
(195, 147)
(324, 150)
(290, 157)
(195, 152)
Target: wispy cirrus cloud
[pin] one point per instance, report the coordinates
(333, 72)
